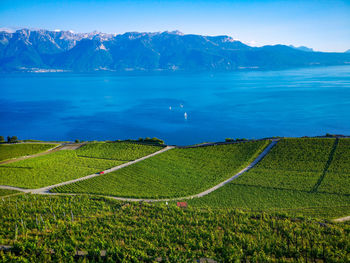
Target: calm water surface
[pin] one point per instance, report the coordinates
(66, 106)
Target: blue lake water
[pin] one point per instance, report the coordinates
(110, 106)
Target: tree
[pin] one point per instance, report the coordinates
(156, 140)
(13, 139)
(77, 140)
(8, 139)
(2, 139)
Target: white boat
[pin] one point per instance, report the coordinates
(185, 115)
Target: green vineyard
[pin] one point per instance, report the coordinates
(122, 151)
(66, 165)
(78, 228)
(175, 173)
(4, 192)
(278, 211)
(337, 177)
(9, 151)
(293, 177)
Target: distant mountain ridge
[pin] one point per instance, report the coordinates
(44, 50)
(302, 48)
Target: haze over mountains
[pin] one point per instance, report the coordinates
(43, 50)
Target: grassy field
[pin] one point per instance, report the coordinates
(291, 178)
(9, 151)
(66, 165)
(53, 229)
(177, 172)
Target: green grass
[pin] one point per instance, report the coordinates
(287, 179)
(62, 166)
(4, 192)
(177, 172)
(122, 151)
(140, 232)
(9, 151)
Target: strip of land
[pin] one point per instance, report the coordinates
(46, 190)
(296, 160)
(251, 165)
(66, 146)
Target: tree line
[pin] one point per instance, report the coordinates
(10, 139)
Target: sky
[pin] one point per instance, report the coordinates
(323, 25)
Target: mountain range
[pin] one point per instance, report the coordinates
(44, 50)
(302, 48)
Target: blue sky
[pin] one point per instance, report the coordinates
(321, 24)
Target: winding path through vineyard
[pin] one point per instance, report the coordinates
(46, 190)
(251, 165)
(61, 146)
(7, 187)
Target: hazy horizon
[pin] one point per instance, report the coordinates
(322, 25)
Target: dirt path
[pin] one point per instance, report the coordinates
(342, 219)
(65, 146)
(251, 165)
(7, 187)
(72, 146)
(46, 190)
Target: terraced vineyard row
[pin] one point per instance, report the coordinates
(63, 166)
(175, 173)
(121, 151)
(45, 229)
(294, 164)
(9, 151)
(337, 178)
(299, 155)
(294, 175)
